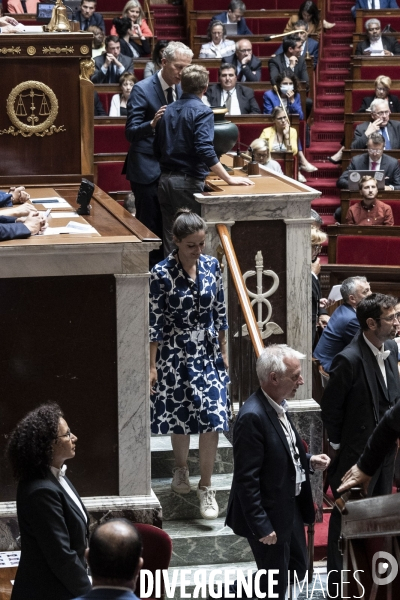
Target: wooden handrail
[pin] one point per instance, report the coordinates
(248, 313)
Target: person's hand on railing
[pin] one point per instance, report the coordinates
(354, 478)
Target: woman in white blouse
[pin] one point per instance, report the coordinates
(218, 46)
(119, 101)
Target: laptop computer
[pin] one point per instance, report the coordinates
(231, 28)
(44, 10)
(355, 176)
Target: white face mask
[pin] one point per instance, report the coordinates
(286, 88)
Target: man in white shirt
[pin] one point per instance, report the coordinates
(376, 44)
(238, 99)
(363, 385)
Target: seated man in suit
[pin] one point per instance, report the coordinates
(238, 99)
(110, 65)
(290, 60)
(271, 498)
(22, 6)
(236, 10)
(380, 123)
(115, 559)
(369, 211)
(373, 5)
(309, 45)
(248, 67)
(374, 160)
(363, 385)
(343, 324)
(88, 17)
(376, 44)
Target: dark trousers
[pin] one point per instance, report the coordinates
(291, 555)
(380, 485)
(175, 190)
(148, 212)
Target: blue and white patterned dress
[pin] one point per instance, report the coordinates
(190, 394)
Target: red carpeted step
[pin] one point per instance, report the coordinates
(334, 75)
(328, 115)
(170, 32)
(331, 88)
(334, 40)
(330, 62)
(326, 205)
(327, 132)
(329, 101)
(325, 171)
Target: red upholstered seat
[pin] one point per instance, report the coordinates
(359, 95)
(157, 551)
(372, 72)
(394, 205)
(368, 250)
(251, 5)
(105, 99)
(110, 138)
(109, 177)
(110, 5)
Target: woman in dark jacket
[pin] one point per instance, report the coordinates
(52, 519)
(382, 91)
(132, 44)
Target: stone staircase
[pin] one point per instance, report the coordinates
(197, 543)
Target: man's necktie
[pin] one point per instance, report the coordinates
(23, 4)
(374, 164)
(228, 101)
(373, 5)
(170, 95)
(112, 74)
(388, 145)
(86, 25)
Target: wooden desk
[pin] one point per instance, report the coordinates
(6, 575)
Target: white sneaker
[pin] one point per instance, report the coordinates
(208, 504)
(180, 481)
(301, 178)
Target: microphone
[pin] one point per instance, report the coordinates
(279, 35)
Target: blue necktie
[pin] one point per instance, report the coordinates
(388, 145)
(372, 4)
(170, 95)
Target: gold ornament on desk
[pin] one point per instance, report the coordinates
(59, 20)
(32, 108)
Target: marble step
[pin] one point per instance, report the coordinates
(193, 540)
(162, 458)
(186, 506)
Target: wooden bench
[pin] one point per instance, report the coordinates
(369, 68)
(383, 279)
(364, 245)
(351, 120)
(385, 16)
(347, 198)
(355, 90)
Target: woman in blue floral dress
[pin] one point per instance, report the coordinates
(188, 358)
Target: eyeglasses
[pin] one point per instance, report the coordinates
(317, 247)
(390, 319)
(382, 113)
(381, 89)
(68, 434)
(374, 150)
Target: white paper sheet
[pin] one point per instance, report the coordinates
(9, 559)
(63, 215)
(335, 294)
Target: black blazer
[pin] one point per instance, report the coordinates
(264, 479)
(361, 162)
(143, 49)
(95, 20)
(351, 401)
(146, 98)
(360, 139)
(53, 541)
(247, 102)
(394, 103)
(388, 43)
(99, 77)
(252, 71)
(277, 65)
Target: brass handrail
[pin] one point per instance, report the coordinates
(238, 280)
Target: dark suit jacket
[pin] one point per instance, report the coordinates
(247, 102)
(394, 103)
(277, 65)
(53, 541)
(108, 594)
(264, 479)
(242, 28)
(351, 401)
(96, 19)
(313, 49)
(10, 230)
(252, 71)
(381, 441)
(146, 98)
(360, 140)
(342, 327)
(98, 75)
(361, 162)
(142, 49)
(388, 43)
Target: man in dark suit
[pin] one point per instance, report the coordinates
(290, 60)
(309, 45)
(380, 123)
(271, 498)
(114, 557)
(343, 324)
(247, 66)
(110, 65)
(146, 106)
(238, 99)
(372, 5)
(374, 160)
(363, 384)
(236, 10)
(376, 44)
(88, 17)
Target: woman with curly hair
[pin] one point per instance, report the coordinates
(53, 521)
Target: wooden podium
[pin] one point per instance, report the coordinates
(46, 108)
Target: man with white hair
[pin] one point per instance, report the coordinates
(146, 105)
(271, 496)
(377, 44)
(380, 123)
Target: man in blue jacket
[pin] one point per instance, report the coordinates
(373, 5)
(236, 10)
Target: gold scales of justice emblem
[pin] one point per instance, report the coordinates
(32, 108)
